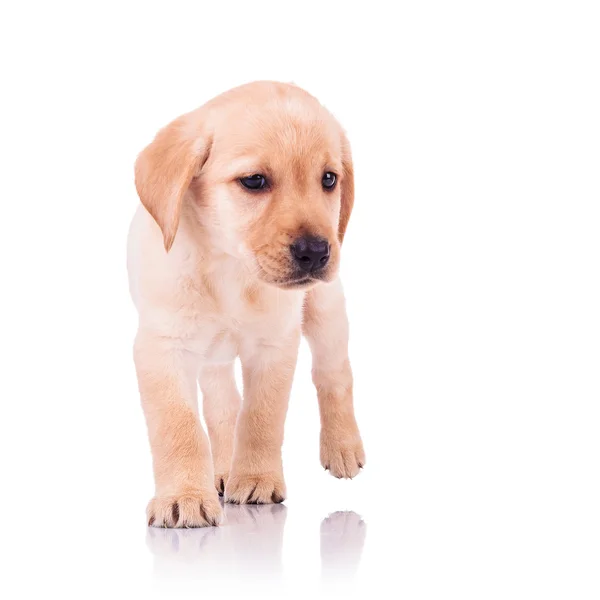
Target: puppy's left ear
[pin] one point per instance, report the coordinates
(165, 169)
(347, 188)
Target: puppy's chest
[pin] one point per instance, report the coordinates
(230, 314)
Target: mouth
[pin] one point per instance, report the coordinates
(296, 283)
(288, 282)
(294, 280)
(302, 281)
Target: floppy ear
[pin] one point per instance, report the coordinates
(165, 169)
(347, 188)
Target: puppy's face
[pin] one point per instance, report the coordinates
(272, 184)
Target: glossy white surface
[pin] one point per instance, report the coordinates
(470, 267)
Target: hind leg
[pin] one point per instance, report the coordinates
(221, 404)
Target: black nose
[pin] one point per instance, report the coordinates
(311, 254)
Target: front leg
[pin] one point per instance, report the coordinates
(326, 329)
(257, 472)
(183, 473)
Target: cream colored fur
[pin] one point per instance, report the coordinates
(212, 278)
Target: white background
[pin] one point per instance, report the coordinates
(471, 271)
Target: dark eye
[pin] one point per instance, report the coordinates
(329, 180)
(254, 182)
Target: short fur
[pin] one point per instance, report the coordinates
(212, 277)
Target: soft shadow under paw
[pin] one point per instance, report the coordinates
(248, 543)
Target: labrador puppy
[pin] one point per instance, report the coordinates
(235, 253)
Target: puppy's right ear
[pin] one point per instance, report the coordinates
(165, 169)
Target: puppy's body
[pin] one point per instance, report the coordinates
(203, 296)
(217, 272)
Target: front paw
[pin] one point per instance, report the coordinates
(342, 453)
(198, 508)
(263, 488)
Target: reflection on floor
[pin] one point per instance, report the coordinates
(250, 542)
(342, 539)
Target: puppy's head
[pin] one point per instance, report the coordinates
(267, 172)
